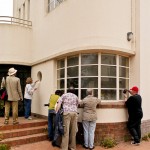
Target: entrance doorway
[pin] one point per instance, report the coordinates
(22, 72)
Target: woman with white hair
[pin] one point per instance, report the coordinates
(89, 104)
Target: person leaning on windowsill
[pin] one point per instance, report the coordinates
(133, 104)
(89, 118)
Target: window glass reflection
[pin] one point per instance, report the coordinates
(123, 83)
(108, 70)
(72, 82)
(108, 59)
(72, 71)
(123, 61)
(60, 84)
(60, 73)
(91, 82)
(73, 60)
(108, 82)
(60, 63)
(108, 94)
(89, 70)
(123, 72)
(89, 59)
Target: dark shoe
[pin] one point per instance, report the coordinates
(5, 122)
(135, 143)
(92, 148)
(54, 144)
(85, 147)
(15, 123)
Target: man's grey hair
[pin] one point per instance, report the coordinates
(89, 91)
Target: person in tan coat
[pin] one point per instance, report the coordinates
(89, 118)
(14, 92)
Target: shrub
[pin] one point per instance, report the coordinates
(149, 135)
(108, 143)
(4, 147)
(145, 138)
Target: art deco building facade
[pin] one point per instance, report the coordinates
(99, 44)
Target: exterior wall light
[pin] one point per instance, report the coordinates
(129, 36)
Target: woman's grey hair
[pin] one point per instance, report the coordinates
(89, 91)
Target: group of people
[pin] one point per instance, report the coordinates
(69, 102)
(12, 84)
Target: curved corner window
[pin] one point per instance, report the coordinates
(106, 74)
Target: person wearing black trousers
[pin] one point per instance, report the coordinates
(134, 106)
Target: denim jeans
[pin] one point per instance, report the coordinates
(27, 106)
(51, 122)
(89, 129)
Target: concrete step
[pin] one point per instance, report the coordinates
(27, 131)
(23, 132)
(22, 125)
(25, 139)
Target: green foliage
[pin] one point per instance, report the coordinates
(108, 143)
(149, 135)
(145, 138)
(4, 147)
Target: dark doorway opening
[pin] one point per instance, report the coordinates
(22, 72)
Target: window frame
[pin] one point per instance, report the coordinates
(99, 76)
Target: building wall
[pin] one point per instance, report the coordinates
(80, 25)
(144, 56)
(15, 44)
(77, 26)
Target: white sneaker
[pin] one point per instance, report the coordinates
(29, 118)
(134, 143)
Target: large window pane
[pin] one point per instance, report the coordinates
(108, 59)
(123, 83)
(73, 60)
(60, 84)
(72, 72)
(108, 70)
(60, 63)
(89, 82)
(60, 73)
(72, 82)
(123, 72)
(108, 82)
(84, 94)
(89, 71)
(123, 61)
(89, 59)
(108, 94)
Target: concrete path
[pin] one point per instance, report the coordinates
(46, 145)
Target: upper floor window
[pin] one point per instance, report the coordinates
(52, 4)
(107, 74)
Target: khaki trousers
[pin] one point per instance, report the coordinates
(70, 130)
(14, 110)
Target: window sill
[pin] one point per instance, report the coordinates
(120, 104)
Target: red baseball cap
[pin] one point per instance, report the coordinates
(135, 88)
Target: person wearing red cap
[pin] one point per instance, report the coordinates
(133, 104)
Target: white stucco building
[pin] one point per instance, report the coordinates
(83, 43)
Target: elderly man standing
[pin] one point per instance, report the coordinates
(89, 104)
(135, 112)
(13, 88)
(69, 102)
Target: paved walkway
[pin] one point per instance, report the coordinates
(46, 145)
